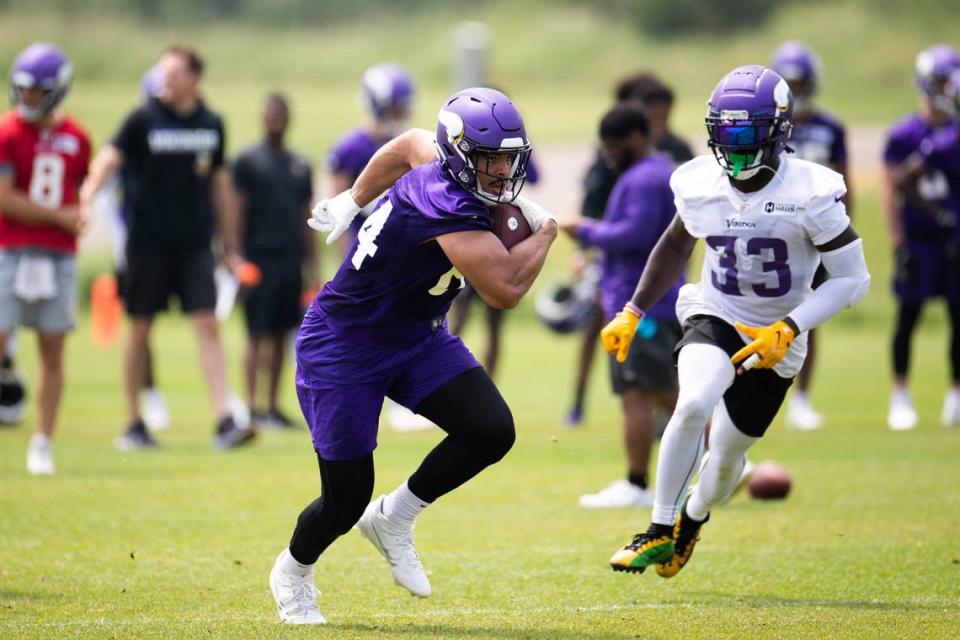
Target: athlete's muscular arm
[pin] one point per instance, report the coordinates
(106, 163)
(668, 261)
(408, 150)
(17, 206)
(501, 277)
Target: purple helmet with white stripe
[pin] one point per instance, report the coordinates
(749, 120)
(388, 91)
(480, 121)
(797, 63)
(41, 65)
(934, 65)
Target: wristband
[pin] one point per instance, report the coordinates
(634, 309)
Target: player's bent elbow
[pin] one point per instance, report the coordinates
(502, 298)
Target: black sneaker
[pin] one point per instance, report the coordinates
(229, 435)
(136, 437)
(276, 420)
(686, 533)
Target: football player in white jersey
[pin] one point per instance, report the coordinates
(768, 221)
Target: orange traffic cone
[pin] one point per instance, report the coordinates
(106, 310)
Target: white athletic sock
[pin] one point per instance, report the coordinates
(290, 565)
(402, 506)
(705, 372)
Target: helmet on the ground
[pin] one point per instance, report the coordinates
(41, 65)
(12, 395)
(482, 121)
(749, 120)
(569, 306)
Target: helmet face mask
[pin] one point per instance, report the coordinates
(749, 120)
(475, 129)
(40, 66)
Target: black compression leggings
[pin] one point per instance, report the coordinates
(480, 432)
(907, 317)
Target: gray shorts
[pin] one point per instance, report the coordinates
(56, 314)
(650, 365)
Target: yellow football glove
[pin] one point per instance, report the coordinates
(769, 344)
(618, 334)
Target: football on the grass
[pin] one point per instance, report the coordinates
(509, 224)
(769, 481)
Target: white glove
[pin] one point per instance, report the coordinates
(534, 213)
(333, 215)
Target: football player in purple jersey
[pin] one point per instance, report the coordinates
(818, 137)
(939, 155)
(924, 245)
(378, 330)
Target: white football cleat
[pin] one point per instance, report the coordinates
(395, 543)
(40, 456)
(403, 420)
(617, 494)
(950, 416)
(901, 416)
(154, 410)
(801, 415)
(296, 595)
(239, 410)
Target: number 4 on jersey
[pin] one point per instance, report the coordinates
(366, 239)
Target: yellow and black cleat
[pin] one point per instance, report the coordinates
(686, 533)
(653, 546)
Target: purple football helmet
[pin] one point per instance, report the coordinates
(40, 65)
(934, 65)
(387, 87)
(482, 121)
(749, 120)
(151, 83)
(796, 62)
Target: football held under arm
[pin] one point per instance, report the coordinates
(849, 281)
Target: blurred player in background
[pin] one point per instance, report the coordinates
(649, 93)
(939, 155)
(818, 137)
(112, 201)
(925, 245)
(275, 189)
(44, 156)
(173, 149)
(639, 210)
(768, 221)
(378, 329)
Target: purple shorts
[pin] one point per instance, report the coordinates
(341, 385)
(931, 273)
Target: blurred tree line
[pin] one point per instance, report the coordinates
(657, 18)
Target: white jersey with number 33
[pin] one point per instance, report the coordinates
(760, 254)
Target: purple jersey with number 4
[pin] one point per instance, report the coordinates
(396, 283)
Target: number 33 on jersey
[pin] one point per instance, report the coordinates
(760, 254)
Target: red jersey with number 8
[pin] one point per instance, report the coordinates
(48, 166)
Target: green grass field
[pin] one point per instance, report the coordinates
(178, 543)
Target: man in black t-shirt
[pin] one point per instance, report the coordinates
(275, 190)
(172, 149)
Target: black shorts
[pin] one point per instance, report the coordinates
(756, 395)
(273, 306)
(650, 365)
(151, 279)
